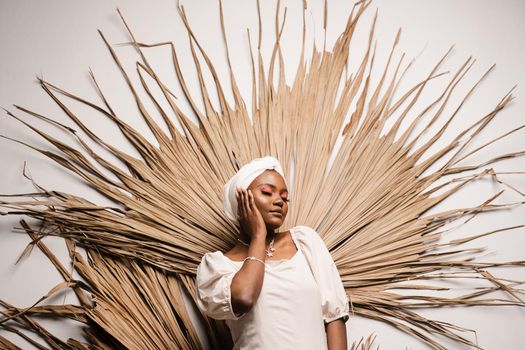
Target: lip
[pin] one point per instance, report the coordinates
(277, 213)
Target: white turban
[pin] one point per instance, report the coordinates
(243, 178)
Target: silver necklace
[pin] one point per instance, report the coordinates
(269, 251)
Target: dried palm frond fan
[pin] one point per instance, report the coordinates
(143, 252)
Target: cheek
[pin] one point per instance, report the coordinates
(259, 202)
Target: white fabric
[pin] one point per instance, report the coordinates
(243, 178)
(296, 297)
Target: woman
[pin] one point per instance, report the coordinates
(276, 290)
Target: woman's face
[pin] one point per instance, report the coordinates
(271, 198)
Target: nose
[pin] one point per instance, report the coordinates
(278, 201)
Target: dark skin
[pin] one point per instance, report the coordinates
(262, 209)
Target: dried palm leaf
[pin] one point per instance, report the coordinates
(142, 252)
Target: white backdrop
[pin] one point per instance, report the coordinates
(58, 40)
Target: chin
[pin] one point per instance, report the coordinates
(274, 223)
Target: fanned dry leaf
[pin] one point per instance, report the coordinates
(364, 344)
(143, 251)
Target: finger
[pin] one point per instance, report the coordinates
(240, 205)
(251, 201)
(246, 201)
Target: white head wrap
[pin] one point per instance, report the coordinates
(243, 178)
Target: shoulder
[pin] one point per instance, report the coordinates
(303, 230)
(214, 263)
(305, 233)
(212, 256)
(308, 239)
(237, 253)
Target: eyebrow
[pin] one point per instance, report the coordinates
(272, 186)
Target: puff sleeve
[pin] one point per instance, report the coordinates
(334, 301)
(214, 278)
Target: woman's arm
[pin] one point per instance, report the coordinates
(247, 283)
(336, 335)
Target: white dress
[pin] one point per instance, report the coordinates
(299, 295)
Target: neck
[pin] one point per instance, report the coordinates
(270, 234)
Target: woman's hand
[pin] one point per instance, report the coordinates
(250, 219)
(247, 283)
